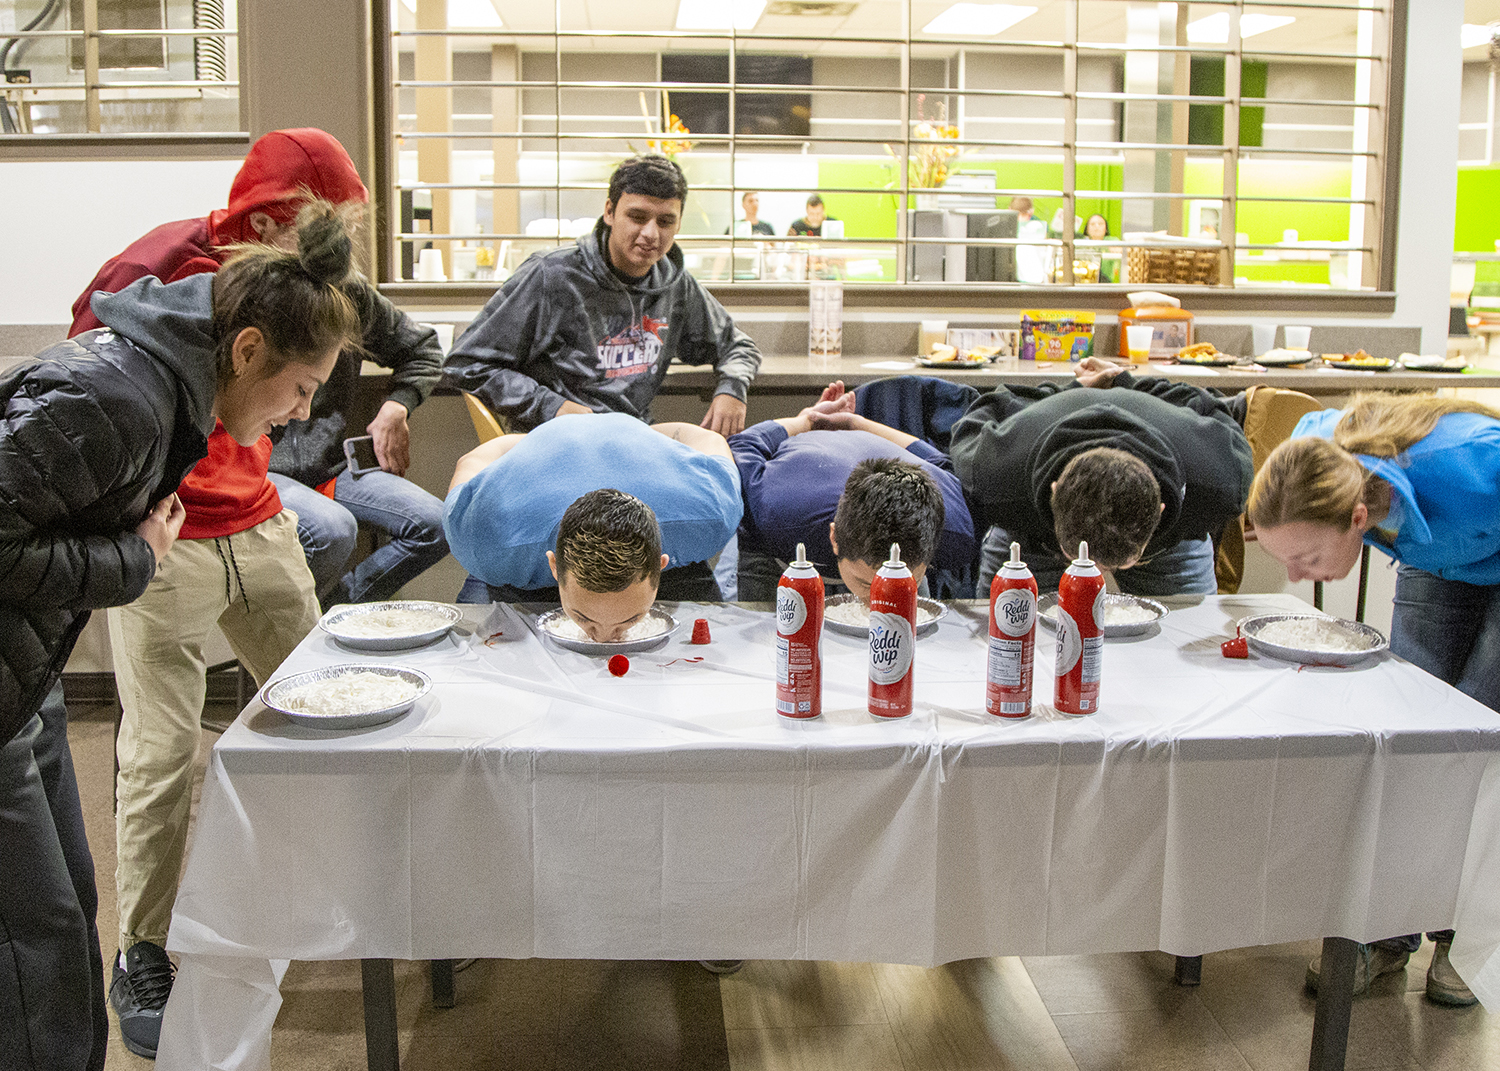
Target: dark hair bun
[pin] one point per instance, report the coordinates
(324, 248)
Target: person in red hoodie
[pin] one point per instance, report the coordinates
(281, 171)
(241, 565)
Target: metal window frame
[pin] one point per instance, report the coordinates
(1384, 199)
(95, 90)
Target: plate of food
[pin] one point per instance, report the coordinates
(390, 626)
(1283, 358)
(945, 356)
(348, 696)
(1315, 638)
(650, 631)
(1358, 361)
(846, 615)
(1432, 362)
(1204, 353)
(1124, 615)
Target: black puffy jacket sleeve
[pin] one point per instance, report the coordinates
(52, 472)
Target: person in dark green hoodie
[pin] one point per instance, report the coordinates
(1145, 470)
(592, 328)
(96, 435)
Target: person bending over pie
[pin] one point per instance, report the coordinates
(601, 514)
(1145, 470)
(847, 487)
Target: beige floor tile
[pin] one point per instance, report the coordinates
(1178, 1035)
(497, 998)
(1453, 1039)
(815, 1048)
(1259, 997)
(515, 1053)
(647, 1014)
(979, 1014)
(1126, 981)
(779, 994)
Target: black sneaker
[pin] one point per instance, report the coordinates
(138, 992)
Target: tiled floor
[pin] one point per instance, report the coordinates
(1062, 1013)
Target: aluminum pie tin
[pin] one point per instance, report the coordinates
(1251, 626)
(272, 696)
(547, 621)
(335, 622)
(1046, 610)
(932, 606)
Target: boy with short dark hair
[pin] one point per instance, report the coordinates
(1043, 466)
(560, 506)
(847, 487)
(593, 327)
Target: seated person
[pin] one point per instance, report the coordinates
(1146, 470)
(810, 225)
(848, 488)
(679, 493)
(751, 223)
(592, 328)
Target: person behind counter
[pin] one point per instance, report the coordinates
(96, 434)
(847, 487)
(592, 328)
(282, 170)
(595, 514)
(810, 225)
(751, 223)
(1145, 470)
(1418, 478)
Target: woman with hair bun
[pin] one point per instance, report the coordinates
(95, 437)
(1417, 477)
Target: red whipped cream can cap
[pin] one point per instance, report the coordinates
(700, 631)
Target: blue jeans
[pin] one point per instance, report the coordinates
(1184, 569)
(1450, 629)
(52, 1004)
(328, 527)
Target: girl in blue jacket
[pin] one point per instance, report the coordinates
(1417, 477)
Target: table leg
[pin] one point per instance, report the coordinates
(379, 979)
(1335, 995)
(1189, 970)
(443, 995)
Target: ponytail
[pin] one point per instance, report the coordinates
(296, 300)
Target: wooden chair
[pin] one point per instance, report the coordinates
(1270, 415)
(486, 424)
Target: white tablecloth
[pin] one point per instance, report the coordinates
(534, 805)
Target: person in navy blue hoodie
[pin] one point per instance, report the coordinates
(847, 487)
(1418, 478)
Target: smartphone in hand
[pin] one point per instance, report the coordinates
(360, 452)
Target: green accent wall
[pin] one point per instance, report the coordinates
(873, 214)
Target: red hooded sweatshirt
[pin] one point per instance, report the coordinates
(228, 491)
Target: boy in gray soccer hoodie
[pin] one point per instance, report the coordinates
(592, 328)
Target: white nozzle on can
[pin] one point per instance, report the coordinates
(1015, 553)
(801, 555)
(1083, 553)
(895, 558)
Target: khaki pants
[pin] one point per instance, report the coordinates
(160, 672)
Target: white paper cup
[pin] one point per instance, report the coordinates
(1138, 342)
(430, 266)
(932, 333)
(1264, 338)
(1297, 337)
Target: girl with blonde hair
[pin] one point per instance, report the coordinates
(1417, 477)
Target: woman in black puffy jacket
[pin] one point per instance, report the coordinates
(95, 436)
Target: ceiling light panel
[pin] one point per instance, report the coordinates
(1214, 29)
(719, 14)
(978, 20)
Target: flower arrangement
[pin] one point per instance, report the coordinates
(668, 147)
(928, 165)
